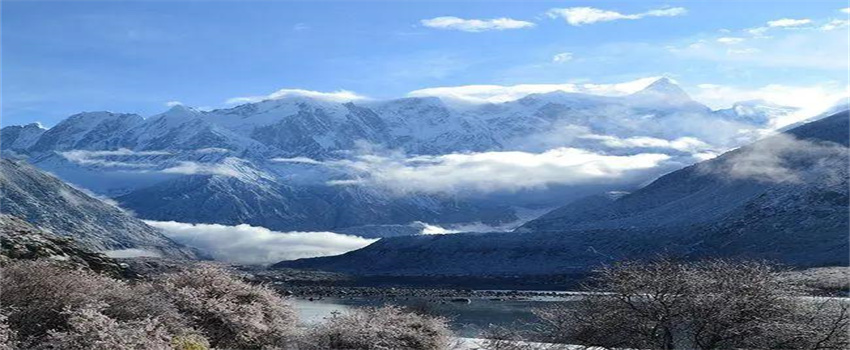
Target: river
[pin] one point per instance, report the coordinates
(467, 319)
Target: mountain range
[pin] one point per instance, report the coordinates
(783, 198)
(300, 163)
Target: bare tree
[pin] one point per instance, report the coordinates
(388, 327)
(712, 304)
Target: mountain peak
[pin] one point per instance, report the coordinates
(35, 125)
(181, 109)
(88, 120)
(663, 89)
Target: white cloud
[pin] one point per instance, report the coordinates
(173, 103)
(195, 168)
(744, 51)
(774, 47)
(504, 93)
(247, 244)
(835, 24)
(109, 158)
(811, 99)
(758, 32)
(777, 159)
(682, 144)
(212, 150)
(578, 16)
(788, 22)
(302, 160)
(562, 57)
(336, 96)
(475, 25)
(493, 171)
(845, 10)
(428, 229)
(730, 40)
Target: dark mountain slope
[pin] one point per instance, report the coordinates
(21, 241)
(711, 190)
(49, 203)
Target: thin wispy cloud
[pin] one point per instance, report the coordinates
(788, 22)
(117, 158)
(730, 40)
(475, 25)
(195, 168)
(578, 16)
(173, 103)
(335, 96)
(682, 144)
(788, 44)
(835, 24)
(504, 93)
(562, 57)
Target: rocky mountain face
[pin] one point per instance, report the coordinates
(20, 138)
(286, 163)
(783, 198)
(52, 205)
(21, 241)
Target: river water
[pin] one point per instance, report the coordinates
(466, 319)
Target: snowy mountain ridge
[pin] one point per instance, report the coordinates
(248, 150)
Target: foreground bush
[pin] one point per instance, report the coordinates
(90, 329)
(706, 305)
(7, 335)
(39, 295)
(229, 312)
(384, 328)
(54, 307)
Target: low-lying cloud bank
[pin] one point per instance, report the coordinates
(783, 159)
(108, 158)
(492, 171)
(245, 244)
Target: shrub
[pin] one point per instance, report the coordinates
(40, 295)
(7, 335)
(190, 342)
(707, 305)
(230, 313)
(509, 338)
(89, 329)
(383, 328)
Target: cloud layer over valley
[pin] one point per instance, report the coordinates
(247, 244)
(493, 171)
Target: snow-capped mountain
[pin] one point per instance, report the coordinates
(783, 198)
(758, 112)
(50, 204)
(287, 162)
(18, 138)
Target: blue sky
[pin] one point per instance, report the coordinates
(60, 58)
